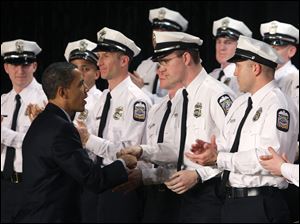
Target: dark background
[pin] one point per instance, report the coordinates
(52, 24)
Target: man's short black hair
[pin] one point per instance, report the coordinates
(58, 74)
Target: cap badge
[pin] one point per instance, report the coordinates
(101, 35)
(118, 113)
(20, 46)
(161, 14)
(273, 28)
(83, 45)
(198, 110)
(257, 114)
(225, 23)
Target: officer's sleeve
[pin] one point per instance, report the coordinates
(160, 153)
(11, 138)
(274, 133)
(130, 134)
(291, 172)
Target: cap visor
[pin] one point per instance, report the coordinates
(237, 58)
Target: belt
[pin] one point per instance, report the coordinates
(233, 192)
(160, 187)
(15, 178)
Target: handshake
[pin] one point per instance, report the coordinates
(130, 155)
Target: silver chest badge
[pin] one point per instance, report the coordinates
(83, 115)
(118, 113)
(257, 114)
(198, 110)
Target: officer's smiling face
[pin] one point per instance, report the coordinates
(20, 75)
(225, 49)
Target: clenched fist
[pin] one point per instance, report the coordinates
(135, 151)
(129, 160)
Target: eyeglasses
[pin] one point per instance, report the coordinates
(164, 62)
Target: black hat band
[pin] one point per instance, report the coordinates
(166, 24)
(242, 55)
(279, 39)
(86, 55)
(110, 45)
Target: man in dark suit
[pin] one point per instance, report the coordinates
(56, 164)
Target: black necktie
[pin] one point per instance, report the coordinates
(235, 146)
(221, 74)
(163, 123)
(99, 160)
(10, 151)
(104, 115)
(155, 84)
(183, 129)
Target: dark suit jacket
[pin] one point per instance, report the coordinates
(55, 167)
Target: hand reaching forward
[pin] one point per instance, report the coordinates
(135, 151)
(129, 160)
(83, 132)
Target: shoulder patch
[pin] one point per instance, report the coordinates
(139, 111)
(225, 103)
(283, 120)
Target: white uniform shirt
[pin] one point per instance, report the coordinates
(147, 71)
(291, 172)
(34, 94)
(93, 96)
(261, 130)
(209, 100)
(228, 79)
(165, 153)
(287, 78)
(122, 128)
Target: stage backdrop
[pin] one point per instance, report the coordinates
(52, 24)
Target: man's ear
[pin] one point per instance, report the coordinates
(124, 60)
(34, 65)
(256, 68)
(62, 92)
(292, 51)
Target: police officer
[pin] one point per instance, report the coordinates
(261, 118)
(119, 119)
(80, 54)
(205, 105)
(163, 132)
(226, 32)
(162, 19)
(20, 64)
(284, 38)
